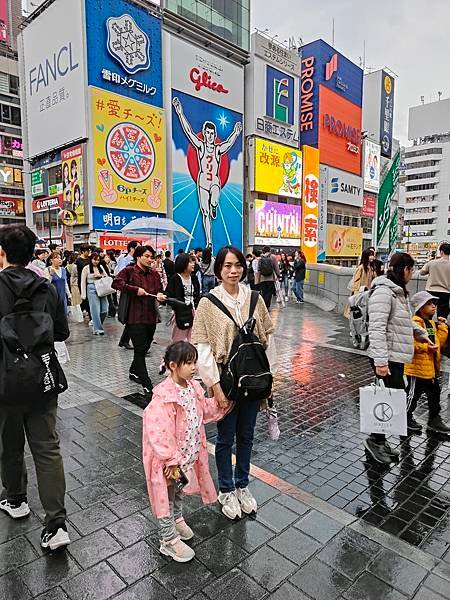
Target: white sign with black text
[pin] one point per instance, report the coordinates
(344, 187)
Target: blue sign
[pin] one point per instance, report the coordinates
(208, 173)
(386, 113)
(323, 65)
(115, 219)
(124, 50)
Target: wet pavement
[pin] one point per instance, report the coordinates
(329, 525)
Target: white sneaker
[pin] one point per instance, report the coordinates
(183, 530)
(15, 511)
(230, 505)
(55, 539)
(246, 500)
(176, 549)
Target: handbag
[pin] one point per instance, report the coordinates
(103, 286)
(382, 409)
(184, 314)
(124, 308)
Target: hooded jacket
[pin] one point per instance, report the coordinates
(426, 363)
(15, 282)
(390, 324)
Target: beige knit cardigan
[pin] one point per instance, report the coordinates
(212, 327)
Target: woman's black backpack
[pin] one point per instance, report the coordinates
(246, 375)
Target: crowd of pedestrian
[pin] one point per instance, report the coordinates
(221, 334)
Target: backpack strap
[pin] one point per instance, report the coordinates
(221, 306)
(253, 303)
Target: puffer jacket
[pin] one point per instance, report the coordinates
(390, 324)
(426, 364)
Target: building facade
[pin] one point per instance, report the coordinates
(426, 196)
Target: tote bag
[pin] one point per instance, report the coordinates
(382, 410)
(103, 286)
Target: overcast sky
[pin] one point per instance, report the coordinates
(411, 37)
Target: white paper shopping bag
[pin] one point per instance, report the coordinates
(382, 410)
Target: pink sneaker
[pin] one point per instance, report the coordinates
(272, 422)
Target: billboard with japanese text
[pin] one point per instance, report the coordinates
(115, 219)
(277, 223)
(124, 50)
(129, 153)
(326, 70)
(207, 156)
(310, 203)
(387, 113)
(273, 99)
(73, 183)
(277, 169)
(371, 166)
(344, 241)
(55, 84)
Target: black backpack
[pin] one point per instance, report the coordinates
(265, 266)
(246, 375)
(30, 373)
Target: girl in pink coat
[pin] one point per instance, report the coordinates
(175, 450)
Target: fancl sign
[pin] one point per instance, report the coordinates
(52, 69)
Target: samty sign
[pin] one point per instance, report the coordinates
(54, 65)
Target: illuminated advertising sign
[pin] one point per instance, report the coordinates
(325, 68)
(369, 205)
(11, 207)
(387, 113)
(115, 219)
(46, 204)
(339, 132)
(124, 50)
(344, 241)
(4, 37)
(310, 203)
(72, 181)
(278, 169)
(344, 188)
(323, 208)
(277, 223)
(371, 166)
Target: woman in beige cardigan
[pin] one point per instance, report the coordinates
(213, 333)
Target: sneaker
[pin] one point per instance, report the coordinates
(176, 549)
(377, 451)
(148, 392)
(414, 426)
(272, 422)
(246, 500)
(55, 539)
(230, 505)
(16, 510)
(99, 333)
(126, 345)
(438, 425)
(183, 530)
(394, 454)
(135, 378)
(286, 298)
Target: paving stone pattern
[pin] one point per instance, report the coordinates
(292, 549)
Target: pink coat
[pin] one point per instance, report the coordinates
(163, 430)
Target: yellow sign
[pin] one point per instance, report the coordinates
(321, 278)
(278, 169)
(129, 153)
(344, 241)
(387, 84)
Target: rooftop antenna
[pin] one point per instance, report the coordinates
(439, 95)
(332, 34)
(422, 99)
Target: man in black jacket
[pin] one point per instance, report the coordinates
(36, 420)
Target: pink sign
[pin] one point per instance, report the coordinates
(4, 37)
(277, 223)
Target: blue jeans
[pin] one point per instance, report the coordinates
(298, 290)
(98, 307)
(240, 424)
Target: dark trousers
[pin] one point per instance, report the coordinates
(142, 338)
(442, 304)
(125, 337)
(267, 290)
(395, 381)
(431, 388)
(38, 424)
(85, 306)
(240, 424)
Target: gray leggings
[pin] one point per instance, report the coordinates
(167, 527)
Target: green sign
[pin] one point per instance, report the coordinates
(387, 190)
(393, 232)
(37, 183)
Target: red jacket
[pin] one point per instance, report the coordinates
(142, 308)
